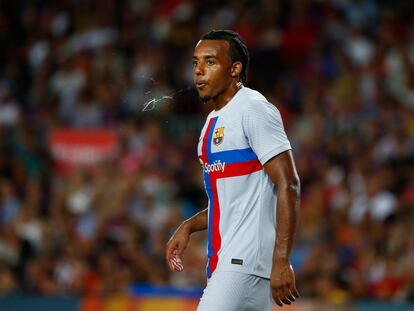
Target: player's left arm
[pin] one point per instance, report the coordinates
(282, 171)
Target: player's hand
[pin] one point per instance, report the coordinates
(282, 282)
(175, 248)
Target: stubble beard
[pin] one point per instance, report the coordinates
(208, 98)
(205, 99)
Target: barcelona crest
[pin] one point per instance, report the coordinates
(218, 136)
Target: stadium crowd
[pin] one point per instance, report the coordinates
(340, 71)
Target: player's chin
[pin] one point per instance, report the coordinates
(203, 94)
(204, 98)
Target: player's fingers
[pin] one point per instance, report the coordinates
(177, 256)
(283, 294)
(294, 291)
(278, 302)
(290, 296)
(171, 265)
(176, 266)
(284, 299)
(276, 298)
(177, 262)
(169, 254)
(169, 249)
(288, 292)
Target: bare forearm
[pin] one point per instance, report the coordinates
(198, 222)
(181, 237)
(282, 171)
(287, 218)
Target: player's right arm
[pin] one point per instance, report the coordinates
(179, 240)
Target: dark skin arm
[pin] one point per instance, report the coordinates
(282, 171)
(179, 240)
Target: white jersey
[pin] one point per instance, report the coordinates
(234, 144)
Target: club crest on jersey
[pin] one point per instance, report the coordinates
(218, 136)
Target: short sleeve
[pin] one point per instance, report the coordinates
(263, 127)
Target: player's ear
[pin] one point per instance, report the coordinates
(236, 69)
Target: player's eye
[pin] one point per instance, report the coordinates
(194, 62)
(210, 62)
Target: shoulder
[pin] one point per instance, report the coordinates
(253, 102)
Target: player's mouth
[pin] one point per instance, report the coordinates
(201, 84)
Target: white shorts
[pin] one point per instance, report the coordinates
(235, 291)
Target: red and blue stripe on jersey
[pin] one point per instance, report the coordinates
(238, 162)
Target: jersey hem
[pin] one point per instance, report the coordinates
(251, 272)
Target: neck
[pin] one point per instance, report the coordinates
(222, 99)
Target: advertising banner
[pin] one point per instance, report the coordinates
(74, 147)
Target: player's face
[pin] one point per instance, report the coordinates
(212, 68)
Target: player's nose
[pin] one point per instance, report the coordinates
(198, 70)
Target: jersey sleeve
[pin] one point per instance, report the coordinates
(263, 127)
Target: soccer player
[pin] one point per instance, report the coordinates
(251, 182)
